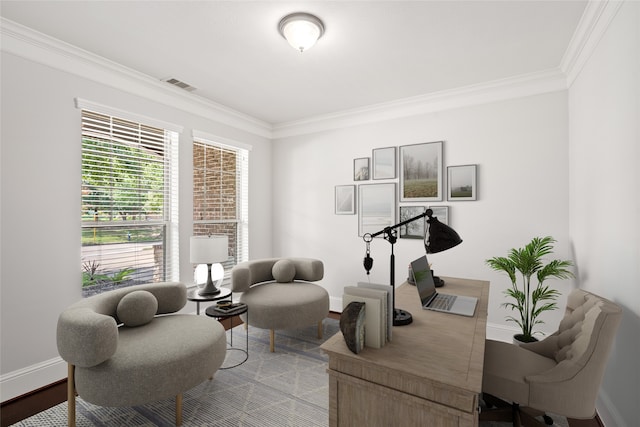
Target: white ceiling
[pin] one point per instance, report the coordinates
(372, 52)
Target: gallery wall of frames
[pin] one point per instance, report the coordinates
(398, 183)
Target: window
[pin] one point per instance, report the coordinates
(129, 203)
(220, 203)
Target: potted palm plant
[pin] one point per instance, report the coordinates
(531, 300)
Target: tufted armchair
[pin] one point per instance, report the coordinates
(120, 353)
(560, 374)
(279, 294)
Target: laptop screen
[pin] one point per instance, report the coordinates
(423, 279)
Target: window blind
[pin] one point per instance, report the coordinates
(220, 196)
(129, 202)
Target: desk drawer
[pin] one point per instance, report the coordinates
(355, 402)
(434, 391)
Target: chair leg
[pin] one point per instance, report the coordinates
(516, 416)
(528, 417)
(320, 330)
(179, 409)
(272, 340)
(71, 395)
(499, 410)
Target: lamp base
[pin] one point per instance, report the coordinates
(401, 317)
(210, 288)
(208, 291)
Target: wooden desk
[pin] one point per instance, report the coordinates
(430, 374)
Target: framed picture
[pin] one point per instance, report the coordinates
(376, 207)
(345, 199)
(421, 172)
(462, 183)
(441, 212)
(384, 163)
(361, 169)
(415, 229)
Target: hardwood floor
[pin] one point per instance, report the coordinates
(21, 407)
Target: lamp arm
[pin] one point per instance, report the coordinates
(428, 213)
(400, 317)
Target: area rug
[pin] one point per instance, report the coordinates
(285, 388)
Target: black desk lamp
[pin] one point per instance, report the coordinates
(440, 237)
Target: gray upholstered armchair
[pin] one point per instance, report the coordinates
(279, 294)
(560, 374)
(121, 354)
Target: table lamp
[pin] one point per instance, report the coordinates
(209, 250)
(440, 237)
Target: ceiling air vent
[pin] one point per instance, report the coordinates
(180, 84)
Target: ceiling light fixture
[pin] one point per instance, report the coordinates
(301, 30)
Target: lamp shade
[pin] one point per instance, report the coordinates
(302, 30)
(208, 249)
(441, 237)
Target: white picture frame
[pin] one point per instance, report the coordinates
(421, 172)
(462, 182)
(345, 199)
(384, 163)
(376, 207)
(415, 229)
(442, 213)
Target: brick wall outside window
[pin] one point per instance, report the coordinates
(215, 193)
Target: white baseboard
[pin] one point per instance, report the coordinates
(25, 380)
(607, 412)
(335, 304)
(501, 332)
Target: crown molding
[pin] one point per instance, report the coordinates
(497, 90)
(593, 24)
(27, 43)
(35, 46)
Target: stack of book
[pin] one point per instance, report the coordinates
(378, 301)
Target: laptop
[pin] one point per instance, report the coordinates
(432, 300)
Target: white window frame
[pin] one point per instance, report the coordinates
(170, 220)
(242, 197)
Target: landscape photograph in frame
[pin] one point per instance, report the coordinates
(462, 183)
(442, 213)
(415, 229)
(345, 199)
(384, 163)
(421, 172)
(361, 169)
(376, 207)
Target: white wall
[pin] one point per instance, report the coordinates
(40, 178)
(559, 164)
(604, 120)
(521, 149)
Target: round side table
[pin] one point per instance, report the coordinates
(193, 295)
(233, 310)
